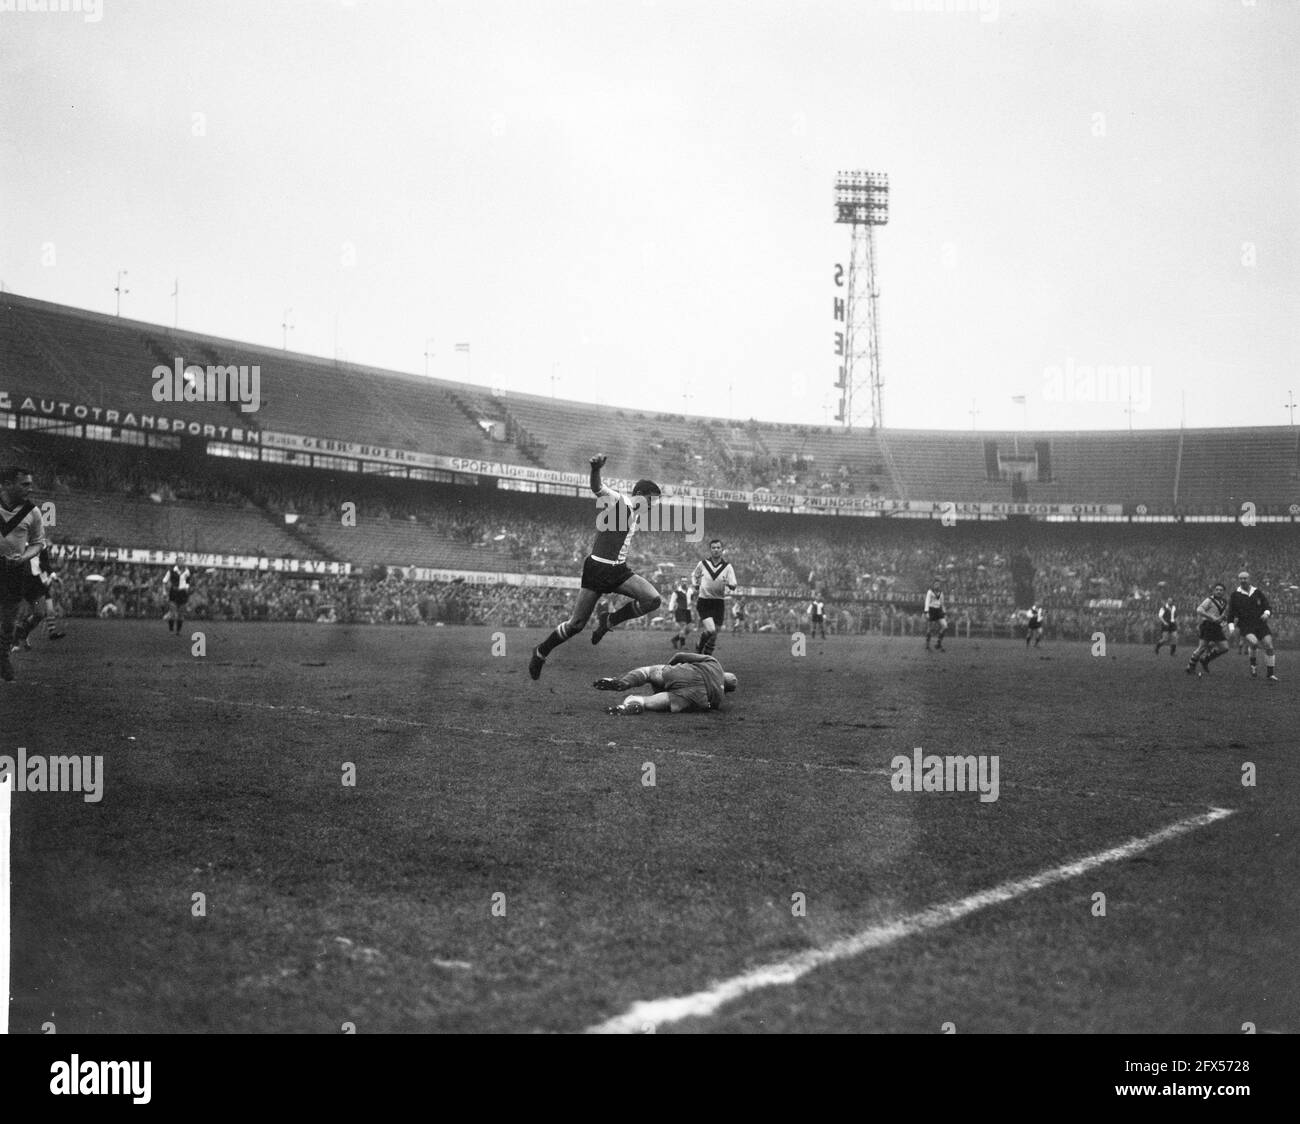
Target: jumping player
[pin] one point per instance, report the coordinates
(1168, 617)
(606, 569)
(712, 580)
(177, 585)
(816, 617)
(1249, 610)
(1034, 626)
(22, 538)
(689, 681)
(679, 604)
(1213, 643)
(936, 618)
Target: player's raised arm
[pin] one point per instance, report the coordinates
(597, 463)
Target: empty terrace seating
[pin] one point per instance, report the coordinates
(110, 520)
(1232, 466)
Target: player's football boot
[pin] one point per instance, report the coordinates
(602, 626)
(608, 684)
(630, 705)
(536, 664)
(1270, 678)
(58, 635)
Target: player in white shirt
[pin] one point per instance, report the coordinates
(1168, 618)
(936, 619)
(711, 581)
(1034, 626)
(679, 604)
(816, 617)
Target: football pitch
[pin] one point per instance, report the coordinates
(316, 829)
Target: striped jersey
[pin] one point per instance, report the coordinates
(1036, 617)
(713, 579)
(1168, 614)
(679, 601)
(1213, 607)
(616, 523)
(41, 567)
(20, 528)
(933, 600)
(816, 609)
(178, 578)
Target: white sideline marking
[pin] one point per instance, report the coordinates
(651, 1014)
(6, 793)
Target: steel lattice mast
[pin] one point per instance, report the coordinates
(862, 202)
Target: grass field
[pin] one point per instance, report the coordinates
(372, 904)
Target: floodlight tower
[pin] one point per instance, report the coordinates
(862, 202)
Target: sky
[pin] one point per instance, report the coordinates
(630, 201)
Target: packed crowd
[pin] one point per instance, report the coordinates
(1081, 573)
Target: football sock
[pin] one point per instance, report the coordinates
(1214, 656)
(628, 612)
(558, 636)
(1270, 662)
(635, 678)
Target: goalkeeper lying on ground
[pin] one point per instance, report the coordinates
(686, 682)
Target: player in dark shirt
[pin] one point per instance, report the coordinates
(1249, 610)
(1034, 626)
(38, 587)
(1213, 643)
(606, 569)
(1168, 617)
(177, 583)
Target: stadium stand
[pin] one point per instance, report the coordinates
(157, 492)
(105, 361)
